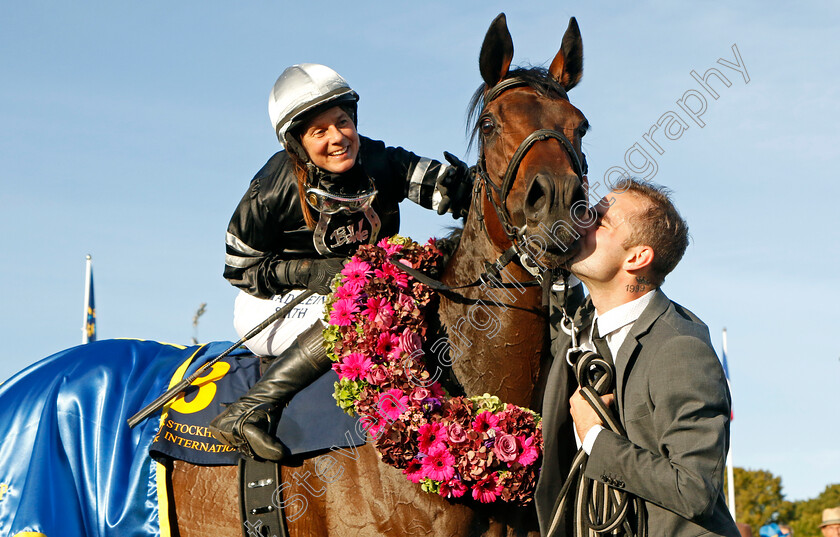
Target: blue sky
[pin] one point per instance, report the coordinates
(130, 130)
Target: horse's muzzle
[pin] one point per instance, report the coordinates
(548, 207)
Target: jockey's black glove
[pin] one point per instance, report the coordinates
(455, 188)
(314, 274)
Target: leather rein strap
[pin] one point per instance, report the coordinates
(599, 507)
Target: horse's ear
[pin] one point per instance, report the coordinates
(496, 52)
(567, 66)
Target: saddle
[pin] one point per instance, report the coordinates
(184, 436)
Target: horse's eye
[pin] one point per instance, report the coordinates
(487, 126)
(583, 129)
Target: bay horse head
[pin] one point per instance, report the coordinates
(531, 167)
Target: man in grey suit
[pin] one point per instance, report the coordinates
(671, 394)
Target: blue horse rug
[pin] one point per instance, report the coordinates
(71, 467)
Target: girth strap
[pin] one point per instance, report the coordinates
(260, 499)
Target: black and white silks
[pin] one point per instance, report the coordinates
(268, 226)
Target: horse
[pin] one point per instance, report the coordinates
(525, 182)
(530, 179)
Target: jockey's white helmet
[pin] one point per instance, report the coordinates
(302, 89)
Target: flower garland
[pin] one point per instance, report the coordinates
(450, 445)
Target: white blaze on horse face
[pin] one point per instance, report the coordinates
(331, 141)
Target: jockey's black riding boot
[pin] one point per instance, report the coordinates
(248, 424)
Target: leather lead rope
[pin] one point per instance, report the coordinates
(598, 508)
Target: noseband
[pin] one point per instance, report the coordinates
(514, 233)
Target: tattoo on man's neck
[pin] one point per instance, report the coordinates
(642, 284)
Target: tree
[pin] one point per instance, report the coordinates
(809, 512)
(759, 499)
(198, 313)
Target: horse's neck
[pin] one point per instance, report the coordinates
(497, 335)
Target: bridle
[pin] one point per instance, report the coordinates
(515, 234)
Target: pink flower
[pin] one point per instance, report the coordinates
(410, 341)
(456, 433)
(487, 489)
(414, 471)
(418, 394)
(438, 465)
(390, 249)
(353, 366)
(453, 488)
(342, 313)
(387, 343)
(379, 311)
(530, 452)
(432, 437)
(505, 447)
(372, 424)
(437, 390)
(405, 302)
(346, 291)
(392, 403)
(353, 287)
(356, 269)
(485, 421)
(391, 273)
(377, 375)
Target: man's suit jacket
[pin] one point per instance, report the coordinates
(672, 398)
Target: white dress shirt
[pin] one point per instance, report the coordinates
(613, 326)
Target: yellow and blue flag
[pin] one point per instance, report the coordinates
(89, 328)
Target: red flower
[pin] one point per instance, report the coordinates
(342, 313)
(432, 437)
(415, 471)
(530, 452)
(392, 403)
(438, 465)
(487, 489)
(353, 366)
(485, 421)
(379, 311)
(387, 343)
(393, 275)
(454, 488)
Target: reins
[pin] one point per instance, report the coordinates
(598, 508)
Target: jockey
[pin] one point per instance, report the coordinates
(305, 211)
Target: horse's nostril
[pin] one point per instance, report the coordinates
(538, 198)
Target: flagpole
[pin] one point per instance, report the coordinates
(88, 279)
(730, 473)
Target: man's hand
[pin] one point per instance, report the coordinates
(584, 415)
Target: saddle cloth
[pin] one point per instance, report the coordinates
(312, 422)
(69, 464)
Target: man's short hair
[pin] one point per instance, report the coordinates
(659, 226)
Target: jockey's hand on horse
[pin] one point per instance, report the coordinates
(251, 433)
(456, 188)
(313, 274)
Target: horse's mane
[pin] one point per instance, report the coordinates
(447, 245)
(537, 78)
